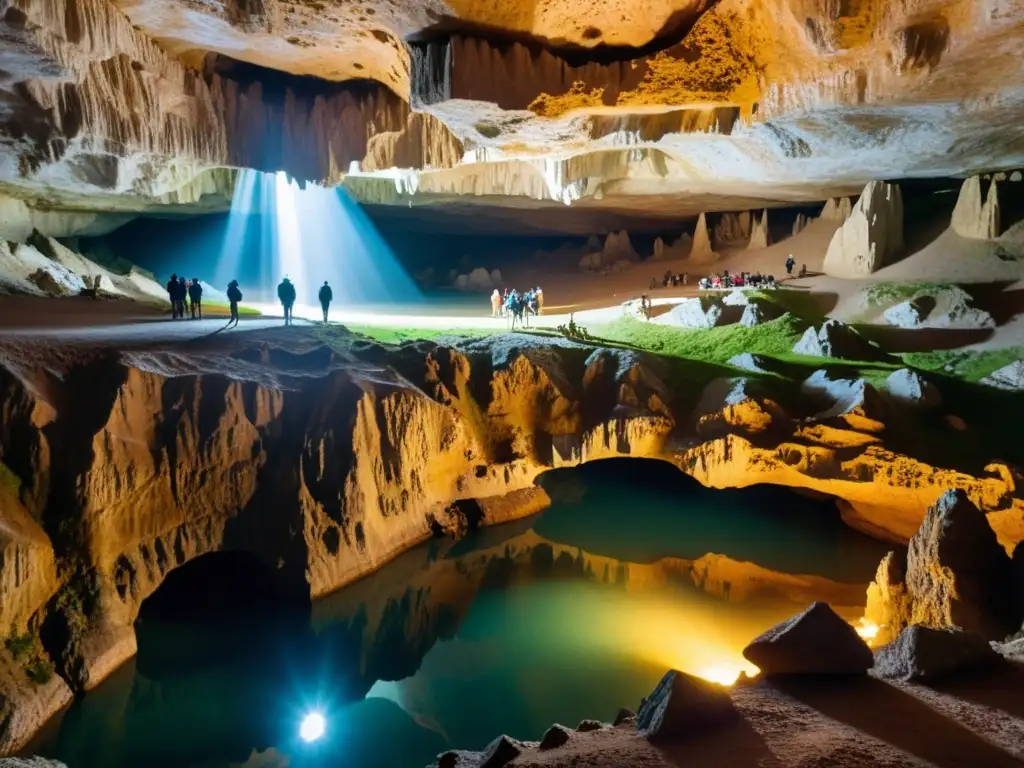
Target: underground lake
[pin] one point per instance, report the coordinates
(567, 615)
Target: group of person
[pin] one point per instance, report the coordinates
(185, 295)
(742, 280)
(674, 279)
(516, 305)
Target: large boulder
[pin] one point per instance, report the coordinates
(852, 400)
(752, 315)
(1009, 377)
(973, 218)
(737, 297)
(925, 654)
(908, 314)
(817, 641)
(908, 387)
(835, 339)
(958, 575)
(953, 310)
(555, 737)
(871, 237)
(682, 705)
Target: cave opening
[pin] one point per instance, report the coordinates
(219, 606)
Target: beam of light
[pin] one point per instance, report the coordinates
(866, 629)
(313, 727)
(242, 201)
(311, 235)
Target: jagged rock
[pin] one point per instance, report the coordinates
(752, 315)
(458, 759)
(252, 15)
(1009, 377)
(836, 209)
(624, 715)
(889, 604)
(871, 237)
(749, 362)
(908, 314)
(691, 313)
(953, 310)
(682, 705)
(555, 737)
(24, 270)
(501, 751)
(30, 762)
(835, 339)
(926, 654)
(701, 250)
(909, 387)
(737, 297)
(853, 400)
(589, 725)
(972, 218)
(817, 641)
(617, 247)
(759, 236)
(800, 224)
(733, 230)
(734, 405)
(954, 563)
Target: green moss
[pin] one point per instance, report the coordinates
(392, 335)
(28, 652)
(224, 307)
(803, 304)
(715, 345)
(488, 130)
(966, 365)
(886, 294)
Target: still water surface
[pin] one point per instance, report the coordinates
(565, 616)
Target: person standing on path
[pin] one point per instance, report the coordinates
(326, 295)
(234, 296)
(172, 294)
(286, 294)
(790, 263)
(195, 298)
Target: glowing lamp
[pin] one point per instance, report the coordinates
(313, 726)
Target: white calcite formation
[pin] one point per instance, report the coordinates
(759, 237)
(871, 237)
(1010, 377)
(974, 218)
(701, 250)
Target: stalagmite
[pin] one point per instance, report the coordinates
(733, 230)
(617, 247)
(701, 249)
(836, 209)
(972, 218)
(759, 237)
(871, 237)
(800, 224)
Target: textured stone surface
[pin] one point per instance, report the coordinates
(835, 339)
(1010, 377)
(925, 654)
(973, 218)
(817, 641)
(871, 237)
(909, 387)
(683, 705)
(555, 737)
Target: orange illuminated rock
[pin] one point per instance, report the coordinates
(817, 641)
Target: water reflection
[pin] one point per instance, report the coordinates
(505, 632)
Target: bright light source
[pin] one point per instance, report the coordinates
(313, 727)
(724, 674)
(866, 629)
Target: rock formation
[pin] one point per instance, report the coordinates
(957, 576)
(617, 247)
(835, 339)
(973, 218)
(733, 230)
(682, 705)
(759, 237)
(680, 249)
(837, 209)
(817, 641)
(800, 224)
(871, 237)
(926, 654)
(694, 313)
(701, 250)
(1009, 377)
(908, 387)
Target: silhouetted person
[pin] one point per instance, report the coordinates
(182, 296)
(172, 294)
(195, 297)
(325, 296)
(790, 263)
(286, 294)
(234, 296)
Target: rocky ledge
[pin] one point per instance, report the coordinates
(327, 455)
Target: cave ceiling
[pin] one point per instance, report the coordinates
(658, 109)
